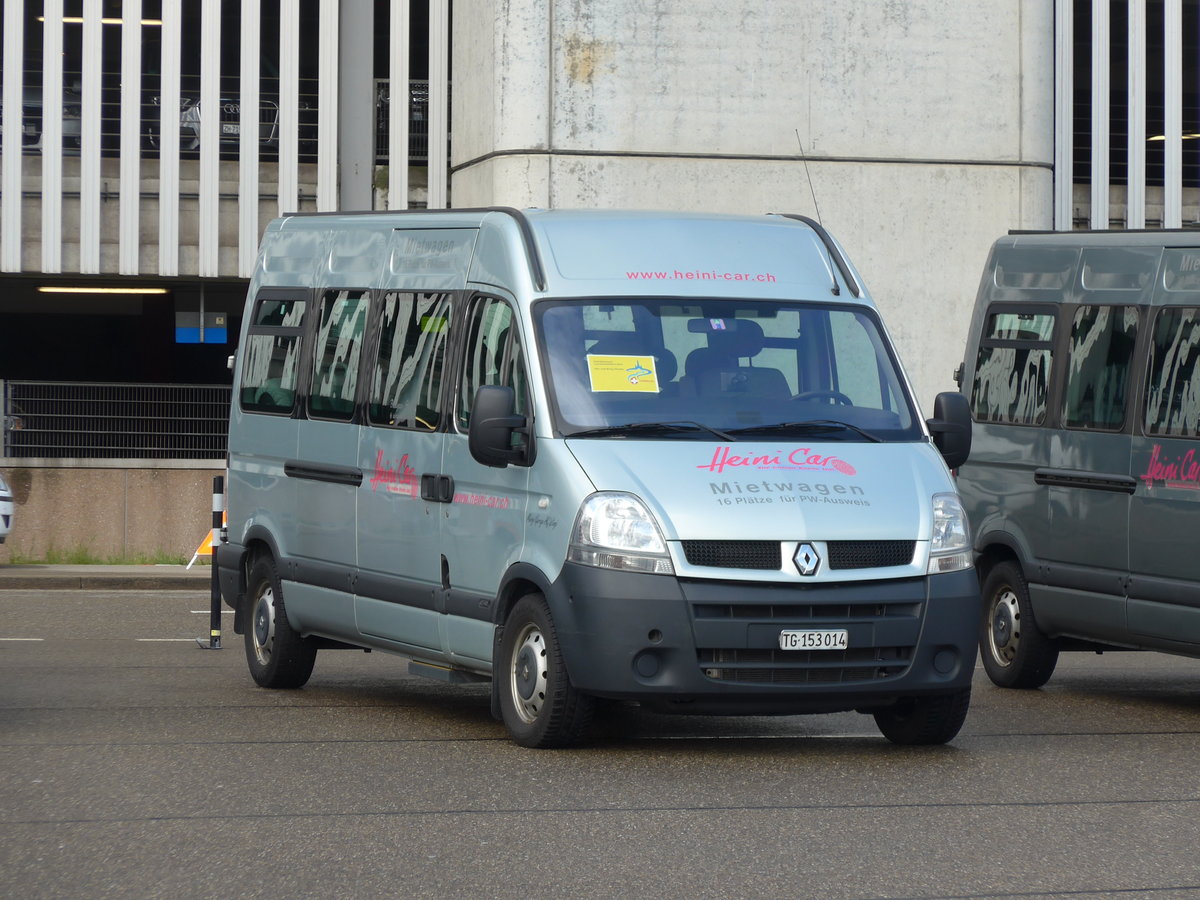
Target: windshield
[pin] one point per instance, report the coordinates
(655, 369)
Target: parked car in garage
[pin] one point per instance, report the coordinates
(229, 114)
(418, 120)
(31, 118)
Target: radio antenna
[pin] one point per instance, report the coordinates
(808, 175)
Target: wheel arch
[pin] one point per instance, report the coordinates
(520, 579)
(258, 541)
(997, 547)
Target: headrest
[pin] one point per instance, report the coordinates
(732, 337)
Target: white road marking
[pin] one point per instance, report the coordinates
(21, 639)
(165, 640)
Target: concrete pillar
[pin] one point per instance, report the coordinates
(356, 104)
(919, 131)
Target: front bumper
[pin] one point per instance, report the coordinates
(713, 646)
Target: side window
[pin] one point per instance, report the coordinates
(406, 386)
(1012, 369)
(857, 352)
(1098, 362)
(271, 360)
(337, 352)
(489, 358)
(514, 376)
(1173, 382)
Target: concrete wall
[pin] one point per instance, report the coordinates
(927, 126)
(117, 510)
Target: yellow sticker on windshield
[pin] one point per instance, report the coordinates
(623, 373)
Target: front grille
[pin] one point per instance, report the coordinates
(268, 119)
(804, 666)
(869, 554)
(736, 631)
(805, 613)
(734, 554)
(769, 554)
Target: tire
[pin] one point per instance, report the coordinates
(278, 656)
(538, 704)
(1015, 652)
(925, 720)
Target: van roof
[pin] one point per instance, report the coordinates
(671, 253)
(593, 252)
(1124, 267)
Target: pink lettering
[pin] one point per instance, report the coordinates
(396, 479)
(1180, 471)
(800, 458)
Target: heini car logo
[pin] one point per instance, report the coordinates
(800, 458)
(807, 560)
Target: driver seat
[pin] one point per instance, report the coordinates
(717, 369)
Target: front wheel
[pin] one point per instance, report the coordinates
(538, 704)
(1015, 652)
(925, 720)
(277, 655)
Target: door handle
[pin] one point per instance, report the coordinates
(437, 488)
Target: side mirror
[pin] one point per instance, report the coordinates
(951, 427)
(493, 421)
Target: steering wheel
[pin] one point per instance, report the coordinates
(835, 396)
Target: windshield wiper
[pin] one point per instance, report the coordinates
(650, 428)
(807, 425)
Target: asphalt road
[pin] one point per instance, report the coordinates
(133, 763)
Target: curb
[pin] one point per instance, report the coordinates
(64, 578)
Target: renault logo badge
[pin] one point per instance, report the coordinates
(806, 559)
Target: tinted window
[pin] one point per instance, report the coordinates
(489, 357)
(1098, 360)
(406, 387)
(1173, 382)
(336, 354)
(1012, 368)
(272, 355)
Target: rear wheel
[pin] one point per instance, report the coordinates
(538, 704)
(1015, 652)
(278, 656)
(925, 720)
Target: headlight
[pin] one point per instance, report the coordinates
(950, 550)
(616, 531)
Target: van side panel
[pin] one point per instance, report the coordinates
(1099, 497)
(1073, 612)
(483, 534)
(260, 494)
(399, 537)
(557, 487)
(1000, 492)
(501, 260)
(319, 608)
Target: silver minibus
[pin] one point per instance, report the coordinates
(595, 455)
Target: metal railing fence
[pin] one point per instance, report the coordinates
(113, 421)
(418, 121)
